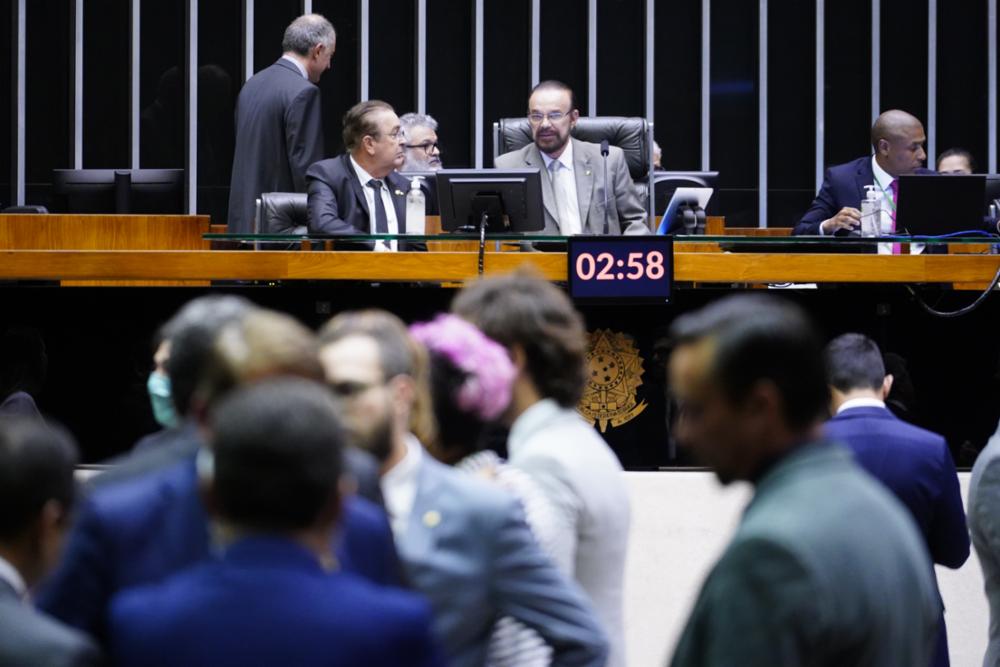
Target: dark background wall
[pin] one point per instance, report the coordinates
(622, 50)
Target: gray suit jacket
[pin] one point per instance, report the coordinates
(30, 638)
(826, 568)
(279, 133)
(984, 523)
(624, 208)
(468, 549)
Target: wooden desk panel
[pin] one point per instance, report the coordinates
(105, 232)
(455, 267)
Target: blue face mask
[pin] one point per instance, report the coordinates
(158, 386)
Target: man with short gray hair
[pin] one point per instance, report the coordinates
(279, 127)
(422, 151)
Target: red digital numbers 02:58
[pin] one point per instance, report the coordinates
(605, 266)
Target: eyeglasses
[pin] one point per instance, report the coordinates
(535, 117)
(426, 147)
(350, 389)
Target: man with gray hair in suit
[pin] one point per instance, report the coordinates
(464, 543)
(279, 127)
(422, 151)
(36, 497)
(574, 190)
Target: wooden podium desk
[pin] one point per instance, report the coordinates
(159, 250)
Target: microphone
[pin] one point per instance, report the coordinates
(604, 153)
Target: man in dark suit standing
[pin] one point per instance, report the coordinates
(276, 595)
(825, 567)
(279, 128)
(913, 463)
(360, 191)
(36, 497)
(898, 141)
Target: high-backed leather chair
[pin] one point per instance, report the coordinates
(282, 213)
(633, 135)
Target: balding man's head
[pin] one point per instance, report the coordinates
(898, 141)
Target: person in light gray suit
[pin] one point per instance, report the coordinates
(279, 126)
(573, 185)
(826, 566)
(464, 543)
(984, 524)
(36, 496)
(575, 469)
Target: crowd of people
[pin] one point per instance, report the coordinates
(379, 494)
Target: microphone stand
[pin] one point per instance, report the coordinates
(604, 153)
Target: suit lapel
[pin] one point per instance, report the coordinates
(864, 176)
(533, 158)
(398, 194)
(584, 172)
(425, 516)
(357, 187)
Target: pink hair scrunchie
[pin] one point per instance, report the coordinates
(489, 370)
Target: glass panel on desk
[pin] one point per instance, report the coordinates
(406, 238)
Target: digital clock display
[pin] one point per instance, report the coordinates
(620, 268)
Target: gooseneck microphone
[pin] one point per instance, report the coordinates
(604, 153)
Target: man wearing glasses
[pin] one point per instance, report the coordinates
(360, 192)
(422, 151)
(573, 183)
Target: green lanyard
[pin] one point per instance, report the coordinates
(888, 193)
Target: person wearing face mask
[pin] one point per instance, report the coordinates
(158, 386)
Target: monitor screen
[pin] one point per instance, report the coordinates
(119, 190)
(510, 200)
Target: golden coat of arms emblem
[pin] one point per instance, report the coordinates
(614, 373)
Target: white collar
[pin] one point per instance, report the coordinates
(363, 175)
(565, 158)
(399, 485)
(10, 574)
(882, 177)
(298, 66)
(861, 403)
(538, 415)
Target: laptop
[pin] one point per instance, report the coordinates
(938, 204)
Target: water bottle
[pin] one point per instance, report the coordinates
(871, 212)
(416, 208)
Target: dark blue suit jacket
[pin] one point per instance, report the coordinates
(843, 185)
(145, 529)
(917, 467)
(267, 601)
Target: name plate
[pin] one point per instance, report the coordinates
(621, 268)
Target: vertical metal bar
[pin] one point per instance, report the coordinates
(536, 41)
(135, 60)
(650, 64)
(991, 85)
(706, 83)
(76, 124)
(876, 58)
(421, 56)
(931, 81)
(820, 90)
(248, 45)
(477, 73)
(192, 106)
(592, 57)
(762, 115)
(18, 175)
(364, 27)
(307, 6)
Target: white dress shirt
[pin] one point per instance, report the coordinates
(860, 403)
(564, 186)
(399, 486)
(298, 66)
(10, 574)
(390, 208)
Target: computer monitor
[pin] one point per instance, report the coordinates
(992, 190)
(665, 182)
(938, 204)
(119, 190)
(511, 200)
